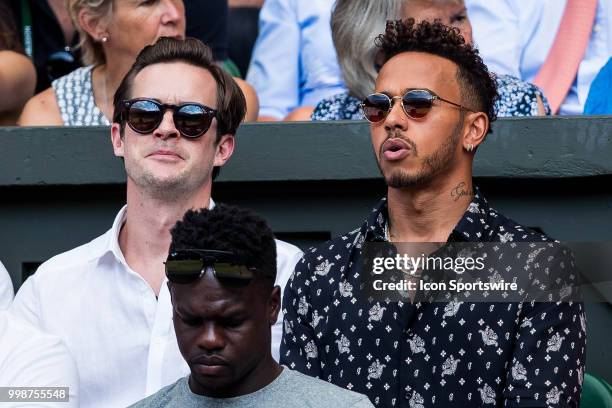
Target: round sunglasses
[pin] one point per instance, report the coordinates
(416, 104)
(190, 119)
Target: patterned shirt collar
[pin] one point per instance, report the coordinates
(473, 226)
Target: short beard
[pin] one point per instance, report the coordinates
(432, 164)
(168, 190)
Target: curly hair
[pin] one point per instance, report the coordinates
(229, 228)
(477, 83)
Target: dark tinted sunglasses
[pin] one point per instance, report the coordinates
(190, 119)
(416, 104)
(188, 265)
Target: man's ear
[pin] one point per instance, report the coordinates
(117, 140)
(225, 149)
(476, 127)
(274, 304)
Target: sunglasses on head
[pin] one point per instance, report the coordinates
(416, 104)
(188, 265)
(190, 119)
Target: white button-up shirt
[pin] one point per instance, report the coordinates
(6, 288)
(31, 358)
(121, 337)
(514, 37)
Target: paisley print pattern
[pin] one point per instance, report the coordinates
(453, 354)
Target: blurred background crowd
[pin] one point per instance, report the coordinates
(62, 60)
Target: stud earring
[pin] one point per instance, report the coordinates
(470, 147)
(104, 39)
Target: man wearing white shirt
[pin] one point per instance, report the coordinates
(515, 36)
(107, 299)
(31, 358)
(6, 288)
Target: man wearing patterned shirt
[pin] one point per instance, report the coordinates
(432, 109)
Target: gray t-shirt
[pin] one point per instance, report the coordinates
(290, 389)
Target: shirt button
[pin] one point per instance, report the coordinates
(597, 28)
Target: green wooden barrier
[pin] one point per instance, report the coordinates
(61, 187)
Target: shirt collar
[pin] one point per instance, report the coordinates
(113, 242)
(473, 226)
(374, 227)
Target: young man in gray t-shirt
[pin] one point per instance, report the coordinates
(221, 270)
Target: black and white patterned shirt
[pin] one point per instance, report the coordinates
(417, 355)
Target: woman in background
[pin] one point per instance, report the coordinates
(111, 33)
(356, 24)
(17, 74)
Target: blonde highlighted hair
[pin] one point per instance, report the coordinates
(91, 50)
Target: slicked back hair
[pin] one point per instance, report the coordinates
(231, 103)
